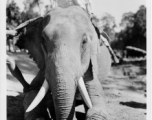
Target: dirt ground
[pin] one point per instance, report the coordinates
(125, 90)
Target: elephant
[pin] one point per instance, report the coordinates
(66, 48)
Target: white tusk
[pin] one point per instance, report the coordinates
(84, 92)
(39, 96)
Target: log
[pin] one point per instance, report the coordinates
(136, 49)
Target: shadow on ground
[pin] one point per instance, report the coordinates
(15, 109)
(25, 64)
(134, 104)
(80, 116)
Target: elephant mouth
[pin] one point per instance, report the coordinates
(45, 87)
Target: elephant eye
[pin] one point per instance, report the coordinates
(84, 49)
(84, 42)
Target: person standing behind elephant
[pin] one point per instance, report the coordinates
(88, 7)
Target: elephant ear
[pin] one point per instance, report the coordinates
(100, 59)
(95, 49)
(30, 38)
(93, 66)
(28, 22)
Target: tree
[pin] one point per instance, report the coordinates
(107, 23)
(29, 13)
(31, 4)
(13, 17)
(140, 18)
(134, 29)
(127, 20)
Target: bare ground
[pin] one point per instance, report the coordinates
(125, 91)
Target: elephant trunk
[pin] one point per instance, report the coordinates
(62, 82)
(98, 111)
(63, 92)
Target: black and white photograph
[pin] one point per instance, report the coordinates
(75, 60)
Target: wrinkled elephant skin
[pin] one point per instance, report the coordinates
(65, 43)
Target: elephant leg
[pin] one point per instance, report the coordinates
(94, 88)
(98, 111)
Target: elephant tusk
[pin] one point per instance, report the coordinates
(84, 92)
(39, 96)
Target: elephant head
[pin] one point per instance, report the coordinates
(65, 43)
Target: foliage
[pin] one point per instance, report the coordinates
(29, 6)
(108, 24)
(134, 32)
(15, 17)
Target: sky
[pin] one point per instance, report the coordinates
(114, 7)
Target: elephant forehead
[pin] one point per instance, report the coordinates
(72, 23)
(68, 16)
(65, 29)
(70, 11)
(58, 30)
